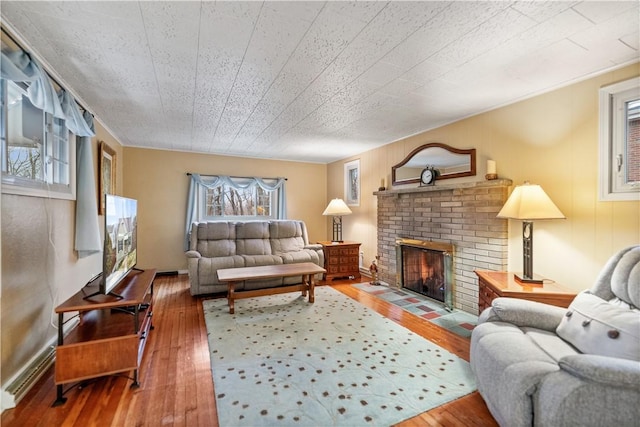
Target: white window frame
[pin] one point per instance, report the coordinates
(202, 209)
(49, 187)
(612, 156)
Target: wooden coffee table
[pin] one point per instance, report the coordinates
(235, 275)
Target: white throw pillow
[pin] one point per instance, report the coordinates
(595, 326)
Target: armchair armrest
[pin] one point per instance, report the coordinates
(603, 369)
(193, 254)
(523, 313)
(313, 246)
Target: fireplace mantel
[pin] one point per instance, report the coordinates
(440, 186)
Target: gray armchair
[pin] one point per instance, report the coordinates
(541, 365)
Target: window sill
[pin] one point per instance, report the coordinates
(38, 190)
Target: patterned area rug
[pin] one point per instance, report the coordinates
(280, 361)
(456, 321)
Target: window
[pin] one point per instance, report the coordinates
(226, 202)
(619, 155)
(37, 148)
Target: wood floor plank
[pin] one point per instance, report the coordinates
(176, 385)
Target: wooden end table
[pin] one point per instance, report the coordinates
(234, 276)
(341, 259)
(494, 284)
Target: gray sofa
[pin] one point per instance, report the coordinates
(542, 365)
(228, 244)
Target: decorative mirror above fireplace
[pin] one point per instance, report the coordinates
(450, 162)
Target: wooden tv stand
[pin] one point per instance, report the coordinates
(112, 332)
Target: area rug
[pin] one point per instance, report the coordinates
(457, 321)
(280, 361)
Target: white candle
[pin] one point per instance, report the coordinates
(382, 182)
(491, 166)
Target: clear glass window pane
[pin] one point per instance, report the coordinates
(224, 201)
(264, 202)
(213, 202)
(58, 152)
(632, 149)
(25, 136)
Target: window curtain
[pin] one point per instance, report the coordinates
(197, 182)
(88, 240)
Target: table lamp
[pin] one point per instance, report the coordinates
(529, 202)
(337, 208)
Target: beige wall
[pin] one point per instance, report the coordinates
(40, 268)
(551, 140)
(158, 180)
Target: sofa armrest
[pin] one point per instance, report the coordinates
(193, 254)
(523, 313)
(603, 369)
(313, 246)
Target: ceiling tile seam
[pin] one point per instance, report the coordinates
(195, 79)
(570, 40)
(583, 15)
(627, 44)
(313, 81)
(357, 77)
(447, 46)
(279, 73)
(153, 64)
(488, 50)
(235, 78)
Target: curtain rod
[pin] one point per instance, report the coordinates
(17, 43)
(189, 174)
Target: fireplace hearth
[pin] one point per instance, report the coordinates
(426, 268)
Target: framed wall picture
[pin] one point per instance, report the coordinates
(107, 174)
(352, 183)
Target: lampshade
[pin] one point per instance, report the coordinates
(530, 202)
(337, 207)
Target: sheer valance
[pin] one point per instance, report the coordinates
(19, 66)
(197, 182)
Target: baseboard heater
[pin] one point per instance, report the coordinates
(20, 384)
(167, 273)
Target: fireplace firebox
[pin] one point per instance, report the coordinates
(426, 268)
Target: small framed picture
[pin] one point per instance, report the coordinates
(107, 174)
(352, 183)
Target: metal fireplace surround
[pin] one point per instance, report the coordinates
(443, 268)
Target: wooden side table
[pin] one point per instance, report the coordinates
(341, 259)
(494, 284)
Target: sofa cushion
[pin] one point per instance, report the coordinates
(286, 236)
(303, 255)
(596, 326)
(550, 343)
(208, 268)
(216, 239)
(508, 366)
(252, 238)
(260, 260)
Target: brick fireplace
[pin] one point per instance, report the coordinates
(461, 215)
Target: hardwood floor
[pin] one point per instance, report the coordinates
(176, 386)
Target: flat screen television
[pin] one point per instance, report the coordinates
(120, 241)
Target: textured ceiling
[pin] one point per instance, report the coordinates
(313, 81)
